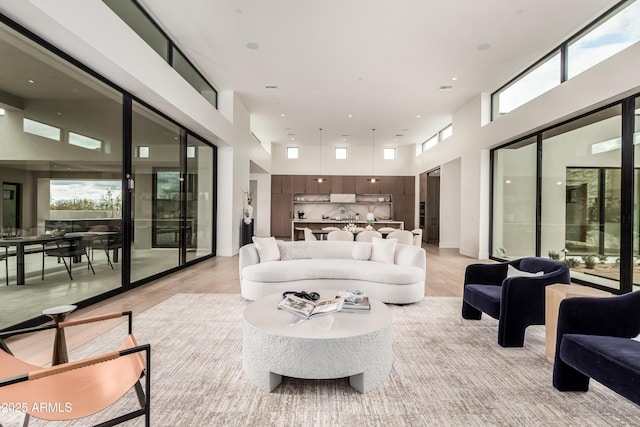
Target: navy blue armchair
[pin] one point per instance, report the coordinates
(593, 341)
(516, 302)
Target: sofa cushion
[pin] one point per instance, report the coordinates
(485, 298)
(383, 250)
(312, 269)
(267, 248)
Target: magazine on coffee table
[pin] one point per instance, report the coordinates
(309, 309)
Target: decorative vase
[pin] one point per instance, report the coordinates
(248, 214)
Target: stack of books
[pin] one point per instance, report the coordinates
(363, 306)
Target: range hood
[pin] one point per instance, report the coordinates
(342, 198)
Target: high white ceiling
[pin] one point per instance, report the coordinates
(381, 61)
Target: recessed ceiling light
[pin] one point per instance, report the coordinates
(30, 81)
(253, 46)
(282, 115)
(350, 115)
(484, 46)
(418, 116)
(454, 78)
(293, 139)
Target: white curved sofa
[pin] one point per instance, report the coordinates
(312, 265)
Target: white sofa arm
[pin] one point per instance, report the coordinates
(248, 256)
(412, 256)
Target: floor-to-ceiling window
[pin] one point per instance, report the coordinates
(514, 200)
(64, 169)
(568, 202)
(156, 196)
(61, 167)
(199, 198)
(581, 191)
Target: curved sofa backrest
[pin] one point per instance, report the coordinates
(332, 249)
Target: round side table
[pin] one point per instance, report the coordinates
(59, 314)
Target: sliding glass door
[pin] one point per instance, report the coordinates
(155, 201)
(199, 199)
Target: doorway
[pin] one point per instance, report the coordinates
(11, 209)
(433, 207)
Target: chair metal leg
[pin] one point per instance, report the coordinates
(89, 262)
(68, 266)
(106, 251)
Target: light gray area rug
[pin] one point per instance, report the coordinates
(446, 372)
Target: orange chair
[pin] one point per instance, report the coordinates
(77, 389)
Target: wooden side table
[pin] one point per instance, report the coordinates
(554, 294)
(58, 315)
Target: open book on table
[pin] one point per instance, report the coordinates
(308, 309)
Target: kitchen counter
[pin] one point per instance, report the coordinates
(298, 224)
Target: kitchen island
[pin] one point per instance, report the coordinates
(297, 225)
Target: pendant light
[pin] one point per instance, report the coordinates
(320, 179)
(373, 156)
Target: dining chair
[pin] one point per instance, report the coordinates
(368, 235)
(308, 234)
(387, 229)
(72, 250)
(342, 235)
(405, 237)
(107, 242)
(331, 228)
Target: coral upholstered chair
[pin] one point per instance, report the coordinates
(512, 292)
(85, 387)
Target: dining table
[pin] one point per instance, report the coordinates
(21, 244)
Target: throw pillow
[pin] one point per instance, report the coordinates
(267, 248)
(292, 250)
(361, 251)
(383, 250)
(514, 272)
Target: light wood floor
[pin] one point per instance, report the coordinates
(445, 274)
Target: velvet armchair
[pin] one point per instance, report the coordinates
(516, 300)
(594, 341)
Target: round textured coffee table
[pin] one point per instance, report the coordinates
(338, 345)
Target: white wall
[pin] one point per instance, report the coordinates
(358, 162)
(608, 81)
(450, 197)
